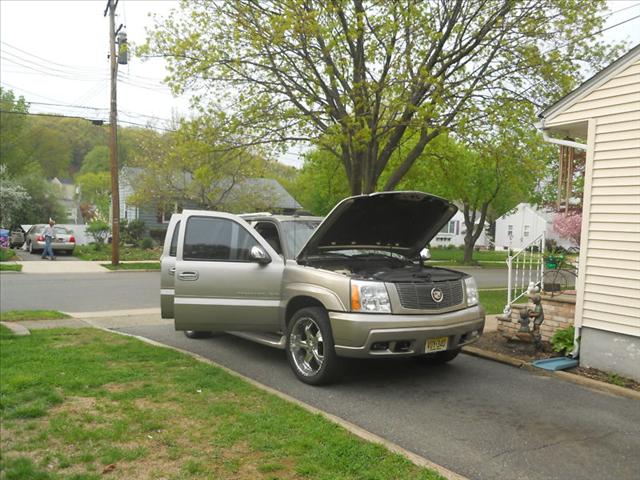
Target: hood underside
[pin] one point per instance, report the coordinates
(402, 222)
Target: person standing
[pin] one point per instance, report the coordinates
(48, 233)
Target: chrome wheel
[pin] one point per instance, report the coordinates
(307, 346)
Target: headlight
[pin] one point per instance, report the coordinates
(472, 291)
(369, 297)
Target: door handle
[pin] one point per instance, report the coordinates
(172, 271)
(188, 276)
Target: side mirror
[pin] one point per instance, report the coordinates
(258, 255)
(425, 254)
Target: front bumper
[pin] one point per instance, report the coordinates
(355, 334)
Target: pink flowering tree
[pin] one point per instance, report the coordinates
(568, 225)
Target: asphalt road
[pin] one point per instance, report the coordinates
(80, 292)
(479, 418)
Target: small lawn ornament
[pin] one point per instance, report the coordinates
(526, 315)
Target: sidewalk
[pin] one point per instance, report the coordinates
(80, 266)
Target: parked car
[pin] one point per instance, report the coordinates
(64, 240)
(16, 237)
(351, 285)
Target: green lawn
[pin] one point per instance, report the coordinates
(89, 252)
(132, 266)
(17, 315)
(10, 267)
(494, 300)
(6, 254)
(77, 403)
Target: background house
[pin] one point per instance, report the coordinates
(453, 234)
(525, 223)
(268, 193)
(68, 195)
(605, 110)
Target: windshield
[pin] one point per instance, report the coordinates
(61, 230)
(295, 234)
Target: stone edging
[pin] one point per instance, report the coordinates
(17, 329)
(572, 377)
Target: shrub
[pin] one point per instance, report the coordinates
(132, 231)
(562, 340)
(158, 234)
(146, 243)
(99, 231)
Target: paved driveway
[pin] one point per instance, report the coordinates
(479, 418)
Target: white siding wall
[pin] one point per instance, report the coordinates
(610, 297)
(524, 216)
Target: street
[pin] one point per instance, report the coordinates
(479, 418)
(90, 292)
(80, 292)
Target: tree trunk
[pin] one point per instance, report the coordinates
(473, 231)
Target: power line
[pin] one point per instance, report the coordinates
(620, 10)
(612, 26)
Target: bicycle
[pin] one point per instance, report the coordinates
(559, 276)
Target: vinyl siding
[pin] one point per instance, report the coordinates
(610, 295)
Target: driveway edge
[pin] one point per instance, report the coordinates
(17, 329)
(352, 428)
(571, 377)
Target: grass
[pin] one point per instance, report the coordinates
(132, 266)
(77, 403)
(6, 254)
(10, 267)
(89, 252)
(494, 300)
(455, 256)
(17, 315)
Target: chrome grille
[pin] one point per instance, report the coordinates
(417, 296)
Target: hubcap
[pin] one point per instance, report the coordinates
(306, 346)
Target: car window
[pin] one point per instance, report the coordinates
(216, 239)
(296, 233)
(173, 248)
(269, 232)
(61, 230)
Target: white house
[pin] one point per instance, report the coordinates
(605, 111)
(453, 233)
(517, 228)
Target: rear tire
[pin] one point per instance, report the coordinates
(310, 347)
(438, 358)
(197, 334)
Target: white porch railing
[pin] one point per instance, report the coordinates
(525, 271)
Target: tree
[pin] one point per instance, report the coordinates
(12, 194)
(43, 203)
(487, 174)
(189, 167)
(96, 160)
(96, 189)
(568, 225)
(321, 183)
(361, 78)
(13, 124)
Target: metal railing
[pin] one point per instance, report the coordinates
(525, 271)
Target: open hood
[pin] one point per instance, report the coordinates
(403, 222)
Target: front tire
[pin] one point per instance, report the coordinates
(310, 347)
(196, 334)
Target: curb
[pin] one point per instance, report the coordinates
(350, 427)
(17, 329)
(132, 270)
(571, 377)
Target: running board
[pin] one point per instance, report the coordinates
(265, 338)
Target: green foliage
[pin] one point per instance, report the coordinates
(96, 252)
(99, 231)
(6, 254)
(146, 243)
(321, 183)
(562, 340)
(95, 188)
(43, 203)
(10, 267)
(96, 160)
(18, 315)
(370, 81)
(132, 231)
(158, 234)
(12, 195)
(12, 128)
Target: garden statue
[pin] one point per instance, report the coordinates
(526, 315)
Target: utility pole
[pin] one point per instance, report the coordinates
(113, 137)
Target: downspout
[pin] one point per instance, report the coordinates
(580, 146)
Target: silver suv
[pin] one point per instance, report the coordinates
(351, 285)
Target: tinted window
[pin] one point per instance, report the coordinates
(216, 239)
(61, 230)
(173, 248)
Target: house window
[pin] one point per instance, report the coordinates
(163, 216)
(526, 230)
(510, 230)
(452, 227)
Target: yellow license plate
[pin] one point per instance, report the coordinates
(436, 345)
